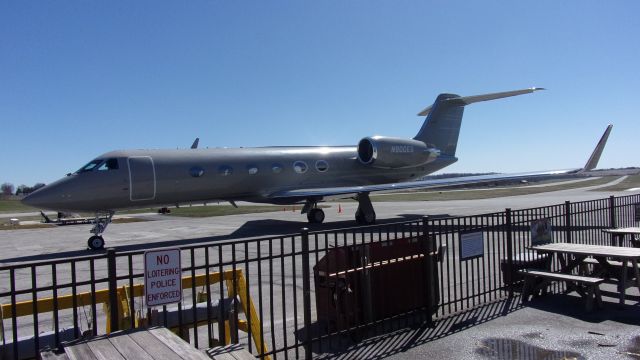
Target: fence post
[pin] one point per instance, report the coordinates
(113, 290)
(306, 293)
(567, 220)
(509, 229)
(429, 250)
(612, 211)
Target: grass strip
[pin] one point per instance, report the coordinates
(631, 182)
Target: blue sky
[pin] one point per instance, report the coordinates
(80, 78)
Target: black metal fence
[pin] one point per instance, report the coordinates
(294, 295)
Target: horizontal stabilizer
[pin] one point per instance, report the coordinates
(466, 100)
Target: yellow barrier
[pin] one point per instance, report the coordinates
(44, 305)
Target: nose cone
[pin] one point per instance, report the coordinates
(47, 197)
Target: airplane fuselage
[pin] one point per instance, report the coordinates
(139, 178)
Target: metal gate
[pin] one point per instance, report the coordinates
(142, 178)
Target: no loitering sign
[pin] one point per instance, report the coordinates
(162, 277)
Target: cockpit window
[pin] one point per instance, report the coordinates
(90, 166)
(109, 164)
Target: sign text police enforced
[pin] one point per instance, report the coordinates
(162, 277)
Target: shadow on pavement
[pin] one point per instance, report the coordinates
(249, 230)
(399, 335)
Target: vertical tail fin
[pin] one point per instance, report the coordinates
(444, 118)
(592, 163)
(442, 126)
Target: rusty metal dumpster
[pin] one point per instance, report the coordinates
(360, 284)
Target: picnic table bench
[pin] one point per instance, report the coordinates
(572, 255)
(587, 287)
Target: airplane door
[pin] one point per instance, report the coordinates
(142, 178)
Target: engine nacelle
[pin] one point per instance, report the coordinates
(392, 153)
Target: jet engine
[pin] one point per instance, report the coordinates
(391, 153)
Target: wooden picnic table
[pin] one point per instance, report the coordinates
(572, 255)
(143, 344)
(621, 233)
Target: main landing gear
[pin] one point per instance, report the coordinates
(96, 242)
(365, 215)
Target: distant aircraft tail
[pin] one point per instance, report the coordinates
(444, 118)
(592, 163)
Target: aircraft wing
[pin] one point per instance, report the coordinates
(345, 191)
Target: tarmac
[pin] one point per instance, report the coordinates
(163, 230)
(551, 327)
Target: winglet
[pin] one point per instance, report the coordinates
(466, 100)
(195, 143)
(595, 156)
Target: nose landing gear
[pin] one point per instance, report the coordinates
(96, 242)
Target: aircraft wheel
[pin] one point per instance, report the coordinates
(96, 242)
(315, 216)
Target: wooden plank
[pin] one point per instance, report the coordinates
(103, 349)
(628, 230)
(561, 276)
(596, 250)
(51, 355)
(243, 354)
(153, 346)
(230, 352)
(222, 356)
(129, 348)
(593, 261)
(183, 349)
(80, 351)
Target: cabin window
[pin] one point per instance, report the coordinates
(276, 168)
(90, 166)
(109, 164)
(322, 166)
(196, 171)
(300, 167)
(252, 169)
(225, 170)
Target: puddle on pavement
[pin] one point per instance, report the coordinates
(507, 349)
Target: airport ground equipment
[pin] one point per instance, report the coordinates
(205, 312)
(65, 220)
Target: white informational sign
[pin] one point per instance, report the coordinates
(162, 277)
(471, 245)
